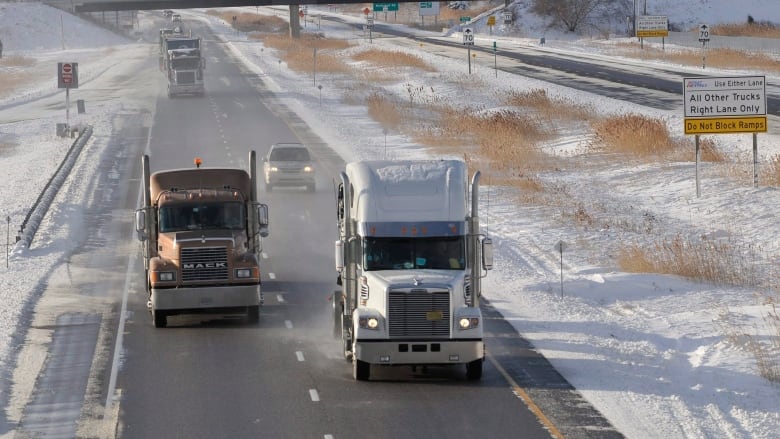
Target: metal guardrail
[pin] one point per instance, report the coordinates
(41, 206)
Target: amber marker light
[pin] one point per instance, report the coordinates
(198, 162)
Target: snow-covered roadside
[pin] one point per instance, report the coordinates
(651, 352)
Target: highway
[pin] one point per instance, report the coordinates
(112, 374)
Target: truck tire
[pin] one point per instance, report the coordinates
(337, 313)
(253, 314)
(361, 370)
(160, 318)
(474, 370)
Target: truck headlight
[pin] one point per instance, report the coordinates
(244, 273)
(273, 169)
(368, 323)
(308, 169)
(468, 322)
(165, 276)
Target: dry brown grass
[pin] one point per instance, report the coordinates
(722, 262)
(248, 22)
(717, 58)
(550, 109)
(745, 30)
(299, 53)
(392, 59)
(383, 111)
(15, 72)
(634, 134)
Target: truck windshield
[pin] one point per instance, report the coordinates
(440, 253)
(202, 216)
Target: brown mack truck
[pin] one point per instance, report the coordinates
(201, 232)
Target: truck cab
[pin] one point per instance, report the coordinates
(201, 230)
(410, 257)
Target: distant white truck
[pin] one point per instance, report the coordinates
(410, 257)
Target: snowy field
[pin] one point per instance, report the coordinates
(655, 354)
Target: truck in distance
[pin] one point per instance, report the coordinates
(410, 258)
(200, 230)
(183, 64)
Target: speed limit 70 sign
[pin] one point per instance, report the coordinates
(704, 33)
(468, 36)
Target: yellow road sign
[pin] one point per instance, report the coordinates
(726, 125)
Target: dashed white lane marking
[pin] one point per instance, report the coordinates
(314, 395)
(299, 354)
(288, 324)
(272, 276)
(265, 255)
(279, 298)
(328, 436)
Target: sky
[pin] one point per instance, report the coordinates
(658, 355)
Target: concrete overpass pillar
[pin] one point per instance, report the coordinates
(295, 23)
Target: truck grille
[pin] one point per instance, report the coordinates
(185, 78)
(204, 264)
(419, 313)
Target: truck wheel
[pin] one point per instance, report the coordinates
(337, 313)
(253, 314)
(474, 370)
(160, 318)
(361, 370)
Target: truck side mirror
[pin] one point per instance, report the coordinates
(339, 255)
(487, 253)
(140, 224)
(262, 219)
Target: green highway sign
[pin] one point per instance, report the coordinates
(465, 19)
(426, 5)
(385, 7)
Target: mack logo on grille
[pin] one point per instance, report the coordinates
(205, 265)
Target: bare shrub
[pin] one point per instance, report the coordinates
(392, 59)
(634, 134)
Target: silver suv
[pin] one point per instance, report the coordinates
(288, 164)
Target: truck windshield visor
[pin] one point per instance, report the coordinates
(438, 253)
(202, 216)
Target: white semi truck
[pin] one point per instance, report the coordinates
(201, 229)
(410, 257)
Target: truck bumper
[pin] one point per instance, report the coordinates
(418, 351)
(205, 298)
(178, 89)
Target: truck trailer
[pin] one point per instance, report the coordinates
(201, 231)
(410, 257)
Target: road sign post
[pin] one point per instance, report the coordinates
(468, 40)
(704, 38)
(67, 78)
